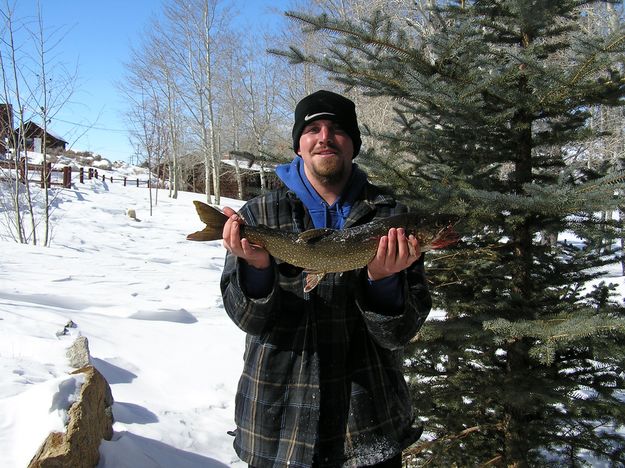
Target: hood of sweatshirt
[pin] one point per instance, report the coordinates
(323, 215)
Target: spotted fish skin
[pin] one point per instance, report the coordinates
(321, 251)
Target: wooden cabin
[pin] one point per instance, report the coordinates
(193, 178)
(35, 137)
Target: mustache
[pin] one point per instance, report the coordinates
(325, 146)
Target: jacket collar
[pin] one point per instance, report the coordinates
(367, 206)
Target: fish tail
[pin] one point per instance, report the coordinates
(214, 220)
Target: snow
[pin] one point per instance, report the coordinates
(244, 164)
(149, 303)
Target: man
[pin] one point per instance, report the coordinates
(322, 382)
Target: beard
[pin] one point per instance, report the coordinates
(329, 171)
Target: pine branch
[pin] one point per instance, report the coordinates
(549, 335)
(609, 182)
(349, 29)
(585, 69)
(450, 438)
(553, 200)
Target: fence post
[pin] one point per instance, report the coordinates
(67, 176)
(95, 174)
(82, 175)
(103, 178)
(111, 179)
(90, 175)
(46, 175)
(22, 171)
(137, 181)
(124, 181)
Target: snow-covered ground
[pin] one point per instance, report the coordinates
(149, 303)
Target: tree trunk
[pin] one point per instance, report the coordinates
(239, 179)
(515, 422)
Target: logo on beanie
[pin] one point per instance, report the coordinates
(312, 116)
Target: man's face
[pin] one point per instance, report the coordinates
(327, 152)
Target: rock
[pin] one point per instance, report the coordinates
(132, 214)
(78, 353)
(90, 421)
(65, 331)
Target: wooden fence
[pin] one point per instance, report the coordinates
(45, 173)
(66, 179)
(93, 174)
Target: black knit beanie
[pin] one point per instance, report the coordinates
(327, 105)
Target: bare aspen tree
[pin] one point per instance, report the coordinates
(174, 132)
(194, 27)
(234, 98)
(52, 93)
(306, 78)
(13, 100)
(208, 17)
(147, 133)
(44, 118)
(159, 63)
(604, 18)
(606, 154)
(34, 86)
(146, 116)
(261, 83)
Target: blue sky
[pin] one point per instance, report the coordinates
(97, 39)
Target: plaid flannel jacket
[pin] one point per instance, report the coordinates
(322, 371)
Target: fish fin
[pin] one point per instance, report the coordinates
(314, 235)
(214, 220)
(445, 237)
(312, 279)
(202, 235)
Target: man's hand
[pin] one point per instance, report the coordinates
(395, 253)
(253, 254)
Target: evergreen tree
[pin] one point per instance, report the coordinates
(526, 368)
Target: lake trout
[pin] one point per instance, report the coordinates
(321, 251)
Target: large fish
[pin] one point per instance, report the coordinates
(321, 251)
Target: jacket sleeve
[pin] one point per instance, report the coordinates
(393, 329)
(252, 315)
